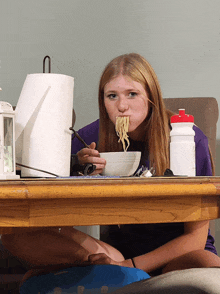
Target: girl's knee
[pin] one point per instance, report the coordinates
(206, 258)
(194, 259)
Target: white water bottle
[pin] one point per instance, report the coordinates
(182, 145)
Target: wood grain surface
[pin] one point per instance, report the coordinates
(32, 203)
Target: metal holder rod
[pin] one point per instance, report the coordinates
(49, 64)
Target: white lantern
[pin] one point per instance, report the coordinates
(7, 142)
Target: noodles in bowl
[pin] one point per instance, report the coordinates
(123, 163)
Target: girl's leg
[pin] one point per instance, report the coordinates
(194, 259)
(49, 246)
(91, 244)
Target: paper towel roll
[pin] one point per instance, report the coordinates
(42, 120)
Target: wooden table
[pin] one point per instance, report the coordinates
(75, 202)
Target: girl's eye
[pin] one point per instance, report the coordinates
(132, 94)
(111, 96)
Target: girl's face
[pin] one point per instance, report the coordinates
(125, 97)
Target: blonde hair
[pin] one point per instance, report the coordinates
(157, 129)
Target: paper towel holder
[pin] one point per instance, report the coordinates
(49, 64)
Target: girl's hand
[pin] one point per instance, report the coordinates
(90, 155)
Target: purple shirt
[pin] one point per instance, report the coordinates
(147, 237)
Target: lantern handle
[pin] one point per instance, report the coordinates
(49, 63)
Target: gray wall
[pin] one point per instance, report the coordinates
(180, 38)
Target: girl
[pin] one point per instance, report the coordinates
(129, 87)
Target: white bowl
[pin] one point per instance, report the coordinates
(121, 163)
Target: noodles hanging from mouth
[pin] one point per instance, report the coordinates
(121, 127)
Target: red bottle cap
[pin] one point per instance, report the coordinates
(181, 117)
